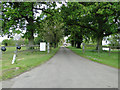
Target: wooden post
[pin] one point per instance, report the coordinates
(48, 47)
(98, 49)
(109, 49)
(83, 48)
(32, 48)
(16, 49)
(15, 55)
(0, 53)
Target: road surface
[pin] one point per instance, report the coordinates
(66, 70)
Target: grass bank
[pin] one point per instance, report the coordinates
(110, 59)
(25, 61)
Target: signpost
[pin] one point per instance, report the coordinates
(42, 46)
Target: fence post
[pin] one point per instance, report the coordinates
(98, 49)
(0, 53)
(48, 47)
(16, 49)
(109, 49)
(15, 54)
(83, 48)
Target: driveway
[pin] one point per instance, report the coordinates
(66, 70)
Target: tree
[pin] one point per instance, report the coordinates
(70, 17)
(104, 20)
(98, 19)
(22, 15)
(114, 40)
(51, 26)
(51, 31)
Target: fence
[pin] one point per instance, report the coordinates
(108, 49)
(16, 49)
(23, 48)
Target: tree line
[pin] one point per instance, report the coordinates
(80, 20)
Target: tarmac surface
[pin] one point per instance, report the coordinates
(66, 70)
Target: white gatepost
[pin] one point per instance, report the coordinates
(48, 47)
(15, 55)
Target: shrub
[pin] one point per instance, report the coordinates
(12, 42)
(7, 42)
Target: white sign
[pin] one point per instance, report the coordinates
(42, 46)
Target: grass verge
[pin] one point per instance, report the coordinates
(110, 59)
(25, 61)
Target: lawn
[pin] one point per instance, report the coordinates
(110, 59)
(25, 61)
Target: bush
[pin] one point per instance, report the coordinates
(12, 42)
(7, 42)
(22, 42)
(37, 40)
(114, 41)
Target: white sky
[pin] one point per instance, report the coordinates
(2, 38)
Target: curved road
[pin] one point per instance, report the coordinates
(66, 70)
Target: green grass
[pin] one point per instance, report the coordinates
(110, 59)
(25, 61)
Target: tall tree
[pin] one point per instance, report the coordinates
(23, 15)
(52, 30)
(98, 19)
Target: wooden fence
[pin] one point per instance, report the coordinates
(24, 48)
(110, 48)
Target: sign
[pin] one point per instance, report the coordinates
(42, 46)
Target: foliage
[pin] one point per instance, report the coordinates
(22, 42)
(12, 42)
(7, 42)
(82, 20)
(37, 40)
(22, 15)
(52, 33)
(114, 40)
(95, 19)
(51, 28)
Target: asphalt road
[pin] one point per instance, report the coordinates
(66, 70)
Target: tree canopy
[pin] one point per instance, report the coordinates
(97, 19)
(80, 20)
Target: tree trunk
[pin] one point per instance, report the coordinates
(31, 40)
(78, 45)
(55, 45)
(51, 45)
(99, 43)
(30, 29)
(72, 43)
(31, 37)
(75, 45)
